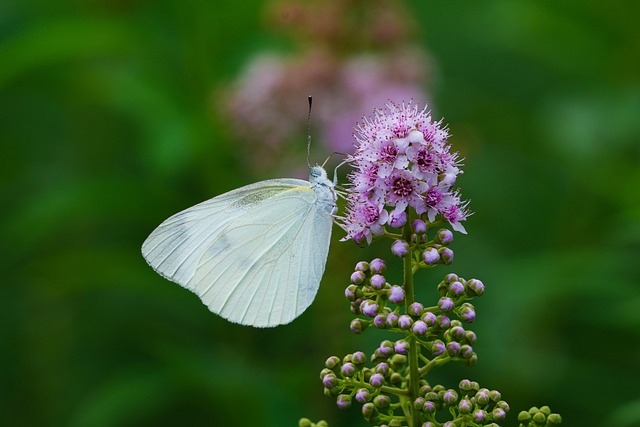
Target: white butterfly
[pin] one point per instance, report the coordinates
(254, 255)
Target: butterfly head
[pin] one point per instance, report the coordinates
(317, 174)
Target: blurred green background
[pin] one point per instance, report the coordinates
(107, 128)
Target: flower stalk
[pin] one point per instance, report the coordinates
(403, 179)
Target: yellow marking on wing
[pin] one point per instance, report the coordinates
(301, 188)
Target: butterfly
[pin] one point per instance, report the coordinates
(254, 255)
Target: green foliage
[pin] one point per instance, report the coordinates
(106, 127)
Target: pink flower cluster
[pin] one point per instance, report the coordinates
(402, 161)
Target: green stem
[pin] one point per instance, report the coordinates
(414, 346)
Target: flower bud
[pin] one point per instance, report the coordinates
(362, 266)
(343, 401)
(466, 351)
(350, 292)
(419, 403)
(450, 397)
(376, 380)
(524, 416)
(467, 312)
(471, 360)
(446, 304)
(446, 255)
(539, 418)
(405, 322)
(450, 278)
(332, 362)
(396, 378)
(378, 266)
(419, 328)
(363, 395)
(419, 226)
(465, 406)
(400, 248)
(397, 220)
(495, 395)
(456, 332)
(444, 236)
(369, 308)
(453, 349)
(401, 346)
(382, 401)
(430, 407)
(554, 419)
(396, 294)
(498, 414)
(398, 361)
(470, 336)
(382, 368)
(380, 321)
(357, 326)
(324, 372)
(415, 309)
(430, 256)
(368, 410)
(442, 320)
(378, 281)
(429, 318)
(443, 288)
(479, 415)
(482, 397)
(465, 385)
(456, 289)
(348, 369)
(437, 348)
(358, 358)
(476, 287)
(392, 319)
(431, 396)
(305, 422)
(386, 348)
(330, 381)
(357, 277)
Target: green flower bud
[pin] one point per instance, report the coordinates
(358, 326)
(395, 423)
(554, 419)
(546, 410)
(369, 410)
(322, 423)
(539, 418)
(395, 379)
(398, 361)
(465, 385)
(419, 403)
(332, 362)
(524, 416)
(431, 396)
(443, 288)
(382, 401)
(305, 422)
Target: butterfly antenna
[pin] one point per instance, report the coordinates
(309, 133)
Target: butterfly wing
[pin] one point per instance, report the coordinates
(264, 268)
(176, 246)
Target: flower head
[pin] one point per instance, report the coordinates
(402, 161)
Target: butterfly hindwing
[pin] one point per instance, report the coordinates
(264, 268)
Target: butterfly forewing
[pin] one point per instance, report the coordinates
(175, 247)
